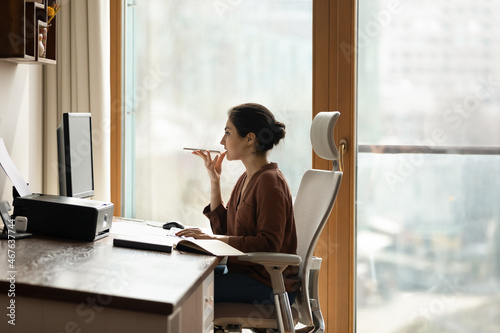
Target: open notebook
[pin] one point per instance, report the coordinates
(207, 246)
(212, 247)
(135, 235)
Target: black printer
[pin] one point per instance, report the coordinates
(66, 217)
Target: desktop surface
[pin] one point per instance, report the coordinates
(72, 271)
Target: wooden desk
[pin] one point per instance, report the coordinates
(71, 286)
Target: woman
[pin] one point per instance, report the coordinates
(259, 215)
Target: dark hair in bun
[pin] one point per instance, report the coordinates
(257, 119)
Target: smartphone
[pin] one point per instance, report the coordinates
(202, 149)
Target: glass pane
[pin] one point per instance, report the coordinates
(428, 225)
(429, 72)
(428, 243)
(192, 61)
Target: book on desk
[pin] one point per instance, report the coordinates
(212, 247)
(143, 243)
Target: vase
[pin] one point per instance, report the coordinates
(42, 42)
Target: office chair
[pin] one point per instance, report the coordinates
(313, 204)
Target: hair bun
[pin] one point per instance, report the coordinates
(279, 131)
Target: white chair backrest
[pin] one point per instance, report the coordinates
(318, 188)
(313, 204)
(315, 199)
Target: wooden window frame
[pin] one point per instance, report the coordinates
(116, 101)
(334, 89)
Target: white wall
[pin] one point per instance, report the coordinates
(21, 125)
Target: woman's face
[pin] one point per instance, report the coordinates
(235, 145)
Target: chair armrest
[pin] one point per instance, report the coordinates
(275, 264)
(271, 258)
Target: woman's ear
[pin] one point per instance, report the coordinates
(250, 138)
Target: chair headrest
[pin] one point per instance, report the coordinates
(322, 139)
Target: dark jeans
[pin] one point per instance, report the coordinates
(241, 288)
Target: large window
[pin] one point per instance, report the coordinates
(186, 63)
(428, 177)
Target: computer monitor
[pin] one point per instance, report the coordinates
(74, 148)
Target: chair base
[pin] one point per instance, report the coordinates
(248, 315)
(235, 329)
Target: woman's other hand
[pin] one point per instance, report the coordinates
(198, 233)
(195, 233)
